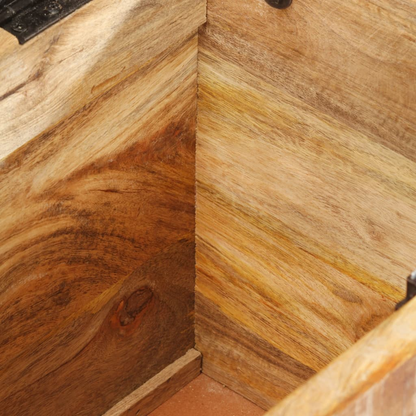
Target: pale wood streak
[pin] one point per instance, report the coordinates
(62, 69)
(383, 358)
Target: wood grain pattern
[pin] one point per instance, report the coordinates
(81, 57)
(160, 388)
(394, 395)
(376, 377)
(306, 208)
(352, 60)
(97, 246)
(227, 344)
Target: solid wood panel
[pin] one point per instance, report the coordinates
(160, 388)
(353, 60)
(394, 395)
(81, 57)
(243, 360)
(97, 246)
(305, 226)
(376, 377)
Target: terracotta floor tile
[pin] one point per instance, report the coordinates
(206, 397)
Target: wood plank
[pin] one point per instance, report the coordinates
(353, 60)
(81, 57)
(97, 246)
(376, 377)
(306, 231)
(394, 395)
(160, 388)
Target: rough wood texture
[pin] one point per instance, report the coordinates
(306, 184)
(394, 395)
(376, 377)
(160, 388)
(353, 60)
(97, 246)
(80, 58)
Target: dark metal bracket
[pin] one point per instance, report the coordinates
(279, 4)
(26, 18)
(411, 290)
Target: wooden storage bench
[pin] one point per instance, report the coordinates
(289, 134)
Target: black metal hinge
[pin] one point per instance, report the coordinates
(26, 18)
(411, 290)
(279, 4)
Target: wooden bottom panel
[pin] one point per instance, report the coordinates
(97, 246)
(206, 397)
(160, 388)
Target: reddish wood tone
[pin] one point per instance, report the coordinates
(206, 397)
(97, 246)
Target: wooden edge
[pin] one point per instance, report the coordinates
(160, 388)
(353, 373)
(82, 57)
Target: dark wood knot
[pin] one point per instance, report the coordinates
(135, 304)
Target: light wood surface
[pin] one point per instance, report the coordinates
(394, 395)
(80, 58)
(160, 388)
(376, 377)
(97, 246)
(353, 60)
(306, 185)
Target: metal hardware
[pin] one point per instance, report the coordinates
(279, 4)
(26, 18)
(410, 292)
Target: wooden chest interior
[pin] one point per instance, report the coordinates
(226, 180)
